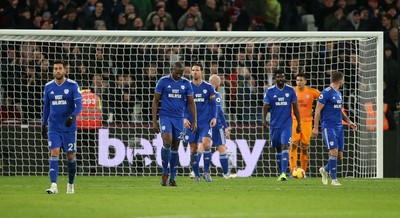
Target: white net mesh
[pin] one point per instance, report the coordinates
(123, 68)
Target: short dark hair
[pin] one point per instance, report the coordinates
(59, 62)
(336, 76)
(197, 64)
(279, 71)
(301, 75)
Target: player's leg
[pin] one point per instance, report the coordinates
(219, 141)
(194, 160)
(306, 129)
(293, 154)
(206, 141)
(69, 145)
(177, 135)
(304, 156)
(55, 142)
(331, 143)
(339, 154)
(275, 143)
(294, 147)
(166, 135)
(285, 137)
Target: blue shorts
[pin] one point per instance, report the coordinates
(281, 136)
(172, 125)
(66, 140)
(203, 130)
(218, 136)
(333, 138)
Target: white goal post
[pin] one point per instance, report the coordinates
(122, 67)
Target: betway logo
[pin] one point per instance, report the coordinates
(250, 158)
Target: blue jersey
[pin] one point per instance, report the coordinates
(173, 96)
(331, 114)
(204, 97)
(221, 121)
(60, 102)
(280, 103)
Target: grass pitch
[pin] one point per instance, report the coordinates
(244, 197)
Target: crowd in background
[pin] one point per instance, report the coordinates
(122, 76)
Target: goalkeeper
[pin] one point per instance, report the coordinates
(305, 100)
(62, 103)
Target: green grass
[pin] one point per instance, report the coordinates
(244, 197)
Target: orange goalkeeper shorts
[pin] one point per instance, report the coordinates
(305, 135)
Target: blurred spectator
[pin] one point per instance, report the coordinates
(336, 21)
(375, 13)
(39, 7)
(386, 24)
(393, 42)
(165, 19)
(100, 25)
(37, 22)
(211, 16)
(9, 14)
(46, 25)
(137, 24)
(122, 23)
(145, 85)
(120, 7)
(98, 14)
(272, 14)
(24, 20)
(391, 78)
(355, 23)
(257, 24)
(236, 19)
(131, 14)
(191, 20)
(144, 7)
(9, 112)
(325, 9)
(156, 23)
(70, 22)
(179, 9)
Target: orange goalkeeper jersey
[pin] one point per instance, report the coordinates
(305, 100)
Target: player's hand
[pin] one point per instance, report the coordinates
(353, 125)
(194, 127)
(156, 127)
(298, 128)
(265, 126)
(44, 132)
(227, 133)
(213, 122)
(68, 122)
(186, 123)
(314, 132)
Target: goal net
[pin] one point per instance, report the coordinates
(122, 69)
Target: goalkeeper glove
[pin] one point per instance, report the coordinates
(44, 132)
(68, 122)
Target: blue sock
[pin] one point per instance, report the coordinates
(173, 161)
(327, 167)
(278, 157)
(207, 160)
(53, 169)
(194, 159)
(223, 159)
(165, 155)
(284, 161)
(71, 170)
(333, 165)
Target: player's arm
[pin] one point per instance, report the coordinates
(78, 106)
(221, 116)
(347, 119)
(192, 107)
(317, 117)
(265, 123)
(45, 114)
(154, 110)
(297, 115)
(213, 104)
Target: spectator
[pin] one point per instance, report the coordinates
(122, 23)
(191, 20)
(179, 9)
(257, 24)
(137, 24)
(9, 112)
(393, 42)
(70, 22)
(336, 21)
(39, 7)
(24, 19)
(143, 6)
(156, 23)
(391, 78)
(211, 16)
(9, 14)
(236, 19)
(145, 85)
(272, 14)
(355, 23)
(131, 14)
(120, 7)
(165, 18)
(324, 10)
(98, 14)
(37, 22)
(375, 13)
